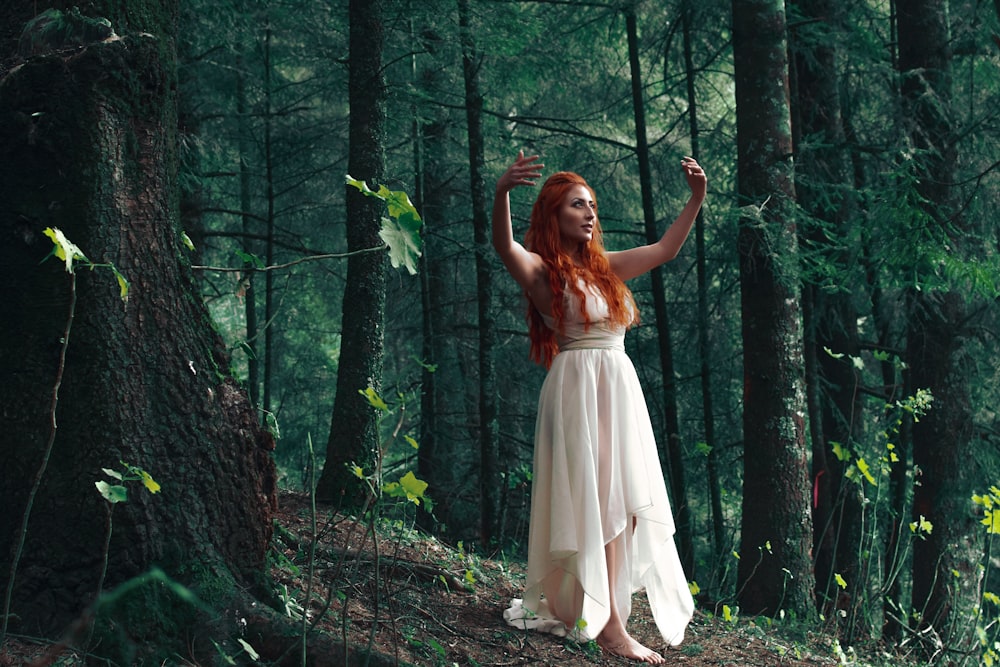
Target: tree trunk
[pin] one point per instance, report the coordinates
(431, 127)
(942, 438)
(270, 305)
(87, 144)
(247, 219)
(775, 569)
(354, 433)
(673, 458)
(719, 543)
(829, 316)
(490, 508)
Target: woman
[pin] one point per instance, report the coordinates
(601, 526)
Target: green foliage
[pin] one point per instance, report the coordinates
(407, 487)
(401, 230)
(55, 29)
(118, 493)
(987, 613)
(70, 254)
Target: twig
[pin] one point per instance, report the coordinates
(286, 265)
(23, 532)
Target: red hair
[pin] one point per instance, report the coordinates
(543, 237)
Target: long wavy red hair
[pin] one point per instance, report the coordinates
(543, 237)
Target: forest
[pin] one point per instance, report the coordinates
(250, 296)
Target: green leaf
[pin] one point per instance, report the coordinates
(992, 522)
(65, 249)
(361, 185)
(249, 649)
(434, 644)
(149, 482)
(863, 467)
(399, 204)
(922, 526)
(186, 240)
(840, 580)
(414, 487)
(401, 230)
(842, 453)
(123, 283)
(112, 493)
(112, 473)
(374, 399)
(402, 235)
(411, 441)
(250, 259)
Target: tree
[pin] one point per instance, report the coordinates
(354, 437)
(672, 455)
(490, 509)
(88, 146)
(824, 189)
(775, 569)
(937, 330)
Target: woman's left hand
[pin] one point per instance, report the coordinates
(695, 176)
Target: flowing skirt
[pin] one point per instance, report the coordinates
(596, 479)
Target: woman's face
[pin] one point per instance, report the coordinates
(577, 216)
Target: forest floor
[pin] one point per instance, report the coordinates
(440, 606)
(433, 605)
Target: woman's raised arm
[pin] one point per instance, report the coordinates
(628, 264)
(525, 267)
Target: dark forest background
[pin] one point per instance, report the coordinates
(819, 363)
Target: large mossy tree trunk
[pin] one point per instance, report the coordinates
(87, 145)
(775, 569)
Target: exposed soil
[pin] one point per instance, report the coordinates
(440, 606)
(430, 604)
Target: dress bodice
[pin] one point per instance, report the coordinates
(576, 333)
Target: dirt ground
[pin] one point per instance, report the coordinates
(440, 606)
(417, 601)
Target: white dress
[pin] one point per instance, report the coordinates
(596, 471)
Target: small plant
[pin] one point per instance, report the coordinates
(987, 614)
(71, 255)
(118, 493)
(115, 493)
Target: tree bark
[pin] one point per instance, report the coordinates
(87, 144)
(490, 505)
(829, 315)
(775, 569)
(354, 434)
(719, 544)
(942, 438)
(673, 453)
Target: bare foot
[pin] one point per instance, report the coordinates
(627, 647)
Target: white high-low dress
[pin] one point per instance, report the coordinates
(596, 475)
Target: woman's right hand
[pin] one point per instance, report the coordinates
(522, 172)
